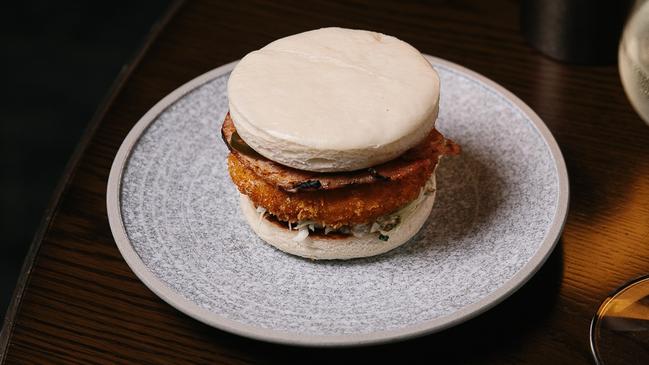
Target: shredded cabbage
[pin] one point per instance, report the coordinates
(301, 235)
(262, 213)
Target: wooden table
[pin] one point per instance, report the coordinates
(78, 302)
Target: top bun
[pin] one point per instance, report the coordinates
(333, 99)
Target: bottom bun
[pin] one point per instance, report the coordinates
(335, 247)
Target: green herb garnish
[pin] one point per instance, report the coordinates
(383, 237)
(308, 185)
(375, 174)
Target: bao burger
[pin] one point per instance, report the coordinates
(332, 141)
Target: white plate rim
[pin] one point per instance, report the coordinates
(291, 338)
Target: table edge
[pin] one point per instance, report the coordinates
(68, 172)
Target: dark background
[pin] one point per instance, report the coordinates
(60, 59)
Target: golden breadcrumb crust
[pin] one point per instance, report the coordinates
(351, 205)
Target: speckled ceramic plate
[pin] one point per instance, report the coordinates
(500, 209)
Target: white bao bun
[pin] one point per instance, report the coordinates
(334, 99)
(323, 248)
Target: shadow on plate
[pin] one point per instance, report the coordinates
(470, 191)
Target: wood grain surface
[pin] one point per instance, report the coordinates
(80, 303)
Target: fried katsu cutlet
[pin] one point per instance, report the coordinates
(333, 199)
